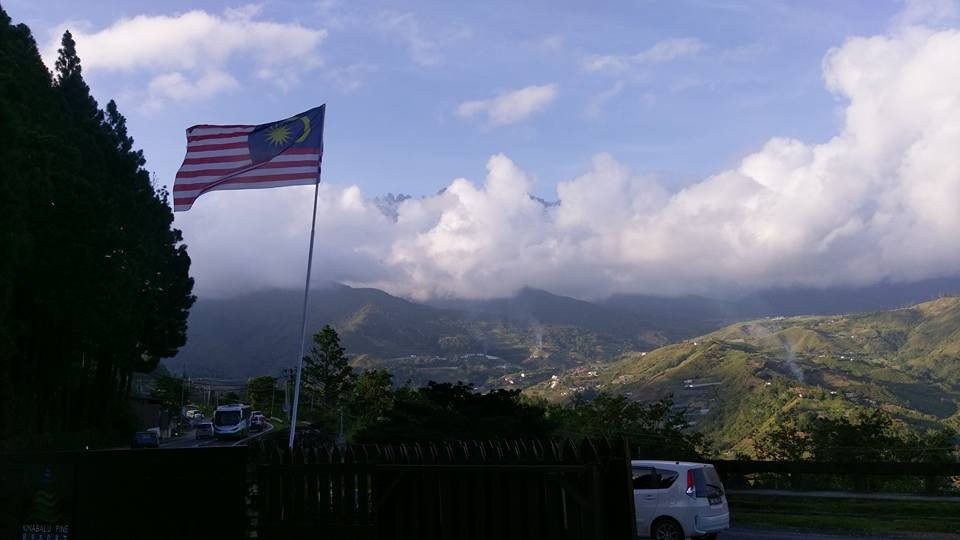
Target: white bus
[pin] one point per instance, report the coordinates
(231, 421)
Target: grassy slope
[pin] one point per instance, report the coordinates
(906, 361)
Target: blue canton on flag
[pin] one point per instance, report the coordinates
(304, 130)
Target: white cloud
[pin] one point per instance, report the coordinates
(928, 12)
(511, 107)
(877, 201)
(176, 87)
(406, 27)
(662, 51)
(187, 55)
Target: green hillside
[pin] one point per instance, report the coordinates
(735, 381)
(527, 340)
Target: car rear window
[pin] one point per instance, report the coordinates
(667, 477)
(707, 482)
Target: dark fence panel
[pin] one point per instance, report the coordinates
(168, 493)
(464, 489)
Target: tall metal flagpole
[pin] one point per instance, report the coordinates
(303, 324)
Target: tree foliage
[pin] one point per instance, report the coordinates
(170, 390)
(653, 429)
(444, 411)
(326, 371)
(865, 436)
(260, 391)
(372, 397)
(94, 282)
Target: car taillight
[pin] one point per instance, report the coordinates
(691, 486)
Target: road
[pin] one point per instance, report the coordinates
(742, 533)
(189, 441)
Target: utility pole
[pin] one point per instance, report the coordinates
(273, 399)
(183, 380)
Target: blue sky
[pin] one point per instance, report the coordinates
(694, 146)
(393, 125)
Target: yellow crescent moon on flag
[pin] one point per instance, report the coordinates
(306, 129)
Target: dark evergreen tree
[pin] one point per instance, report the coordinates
(94, 282)
(327, 371)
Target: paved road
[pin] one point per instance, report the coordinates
(189, 441)
(742, 533)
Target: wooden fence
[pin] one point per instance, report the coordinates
(168, 493)
(473, 489)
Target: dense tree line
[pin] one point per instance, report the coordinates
(94, 282)
(375, 411)
(864, 436)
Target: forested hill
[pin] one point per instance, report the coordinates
(94, 282)
(540, 332)
(535, 330)
(739, 381)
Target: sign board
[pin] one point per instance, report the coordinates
(47, 504)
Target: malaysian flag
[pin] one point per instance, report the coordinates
(284, 153)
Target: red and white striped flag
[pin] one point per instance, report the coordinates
(284, 153)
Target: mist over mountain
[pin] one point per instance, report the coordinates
(690, 312)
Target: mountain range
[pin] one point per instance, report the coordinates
(257, 334)
(514, 341)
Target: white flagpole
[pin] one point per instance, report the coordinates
(303, 324)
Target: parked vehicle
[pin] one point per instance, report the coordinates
(677, 499)
(145, 439)
(204, 431)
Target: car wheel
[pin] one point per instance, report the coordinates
(666, 529)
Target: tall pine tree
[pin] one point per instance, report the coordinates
(94, 282)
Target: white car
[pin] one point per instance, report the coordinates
(678, 499)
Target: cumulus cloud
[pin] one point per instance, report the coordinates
(879, 200)
(187, 55)
(510, 107)
(662, 51)
(928, 12)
